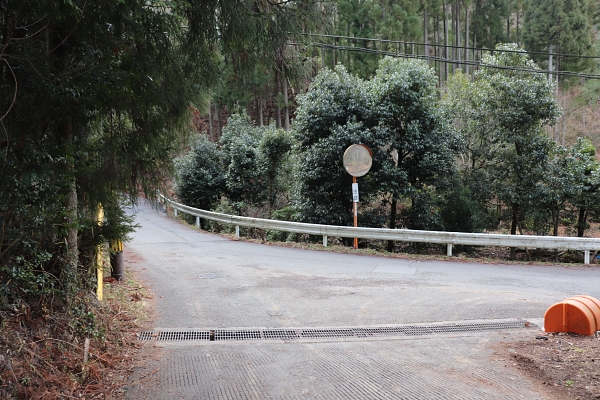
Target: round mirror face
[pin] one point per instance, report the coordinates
(358, 160)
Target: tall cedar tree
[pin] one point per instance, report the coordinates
(94, 98)
(565, 24)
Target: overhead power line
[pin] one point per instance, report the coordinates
(477, 49)
(475, 63)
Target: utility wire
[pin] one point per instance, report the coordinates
(479, 49)
(451, 61)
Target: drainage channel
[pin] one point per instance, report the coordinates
(324, 333)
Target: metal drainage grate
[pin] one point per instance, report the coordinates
(324, 333)
(235, 334)
(174, 335)
(283, 334)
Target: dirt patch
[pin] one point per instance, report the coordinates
(566, 366)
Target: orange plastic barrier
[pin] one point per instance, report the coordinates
(577, 314)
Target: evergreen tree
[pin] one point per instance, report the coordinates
(396, 115)
(331, 116)
(417, 137)
(487, 22)
(200, 176)
(565, 24)
(388, 20)
(94, 99)
(501, 117)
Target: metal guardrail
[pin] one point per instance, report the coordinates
(406, 235)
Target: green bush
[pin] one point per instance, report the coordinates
(461, 212)
(200, 176)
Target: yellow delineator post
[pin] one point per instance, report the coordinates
(117, 245)
(99, 259)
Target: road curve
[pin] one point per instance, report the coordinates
(205, 281)
(209, 281)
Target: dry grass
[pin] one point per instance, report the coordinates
(41, 358)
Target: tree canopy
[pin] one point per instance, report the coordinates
(567, 25)
(395, 114)
(501, 117)
(94, 100)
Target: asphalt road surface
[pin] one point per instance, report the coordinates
(203, 281)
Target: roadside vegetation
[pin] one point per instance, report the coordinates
(45, 356)
(474, 158)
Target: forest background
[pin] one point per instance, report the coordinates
(256, 101)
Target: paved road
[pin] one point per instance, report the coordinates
(204, 281)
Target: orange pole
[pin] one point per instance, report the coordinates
(355, 216)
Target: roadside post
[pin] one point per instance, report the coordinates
(357, 160)
(116, 260)
(99, 259)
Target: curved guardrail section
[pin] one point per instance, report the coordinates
(406, 235)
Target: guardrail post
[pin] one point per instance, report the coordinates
(324, 240)
(197, 222)
(175, 212)
(449, 249)
(237, 231)
(586, 256)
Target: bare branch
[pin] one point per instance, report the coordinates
(5, 160)
(16, 90)
(34, 34)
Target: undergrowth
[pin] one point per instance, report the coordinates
(42, 355)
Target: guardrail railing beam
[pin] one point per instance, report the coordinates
(405, 235)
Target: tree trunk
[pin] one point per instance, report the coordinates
(72, 254)
(218, 115)
(437, 53)
(286, 107)
(581, 222)
(426, 25)
(513, 229)
(474, 51)
(271, 199)
(261, 121)
(563, 118)
(556, 218)
(390, 243)
(518, 12)
(453, 41)
(211, 133)
(333, 54)
(322, 53)
(445, 43)
(467, 66)
(457, 12)
(475, 39)
(348, 44)
(277, 108)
